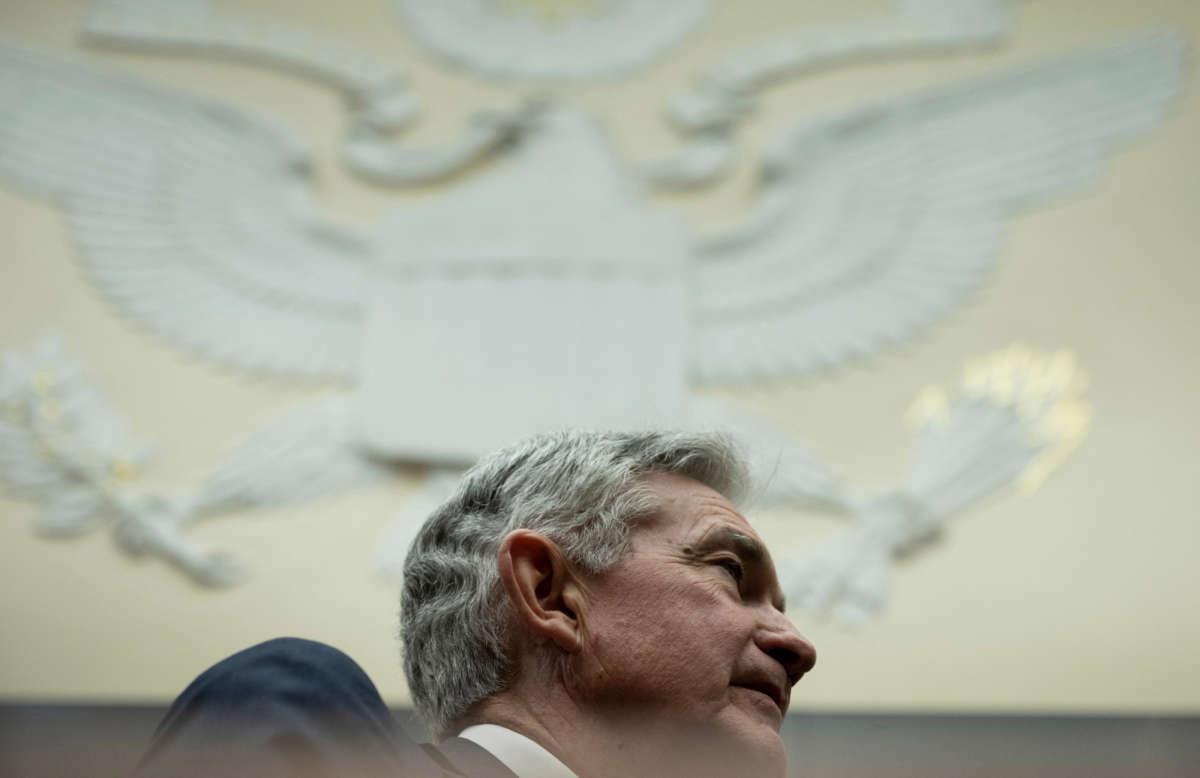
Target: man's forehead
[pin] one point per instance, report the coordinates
(692, 508)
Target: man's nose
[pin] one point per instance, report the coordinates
(782, 641)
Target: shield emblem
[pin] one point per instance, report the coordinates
(542, 294)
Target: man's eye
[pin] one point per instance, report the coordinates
(733, 567)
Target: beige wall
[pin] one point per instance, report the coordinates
(1082, 596)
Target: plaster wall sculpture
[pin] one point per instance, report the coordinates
(584, 39)
(1017, 415)
(61, 445)
(196, 218)
(546, 40)
(562, 305)
(377, 94)
(552, 39)
(725, 92)
(59, 440)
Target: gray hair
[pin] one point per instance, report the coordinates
(583, 490)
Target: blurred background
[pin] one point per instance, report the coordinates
(1053, 629)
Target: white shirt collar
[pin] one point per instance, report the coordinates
(518, 753)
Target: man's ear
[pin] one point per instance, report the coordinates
(543, 589)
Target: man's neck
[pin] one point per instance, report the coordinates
(509, 711)
(593, 745)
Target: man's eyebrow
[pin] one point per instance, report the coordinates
(748, 548)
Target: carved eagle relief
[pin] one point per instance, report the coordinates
(546, 288)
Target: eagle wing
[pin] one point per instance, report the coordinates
(193, 216)
(875, 223)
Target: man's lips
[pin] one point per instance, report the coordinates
(773, 691)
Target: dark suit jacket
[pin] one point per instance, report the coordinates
(300, 709)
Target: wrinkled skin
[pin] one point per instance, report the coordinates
(689, 658)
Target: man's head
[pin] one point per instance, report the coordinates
(611, 572)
